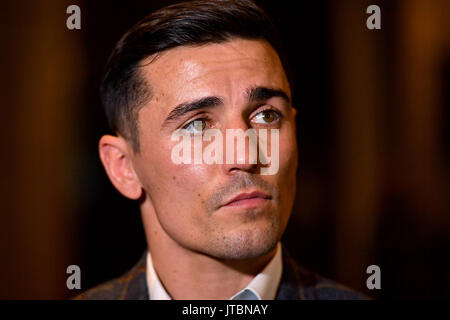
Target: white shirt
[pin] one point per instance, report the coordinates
(262, 287)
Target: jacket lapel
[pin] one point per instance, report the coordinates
(297, 283)
(136, 281)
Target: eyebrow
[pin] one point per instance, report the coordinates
(184, 108)
(256, 94)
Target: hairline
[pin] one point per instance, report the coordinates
(140, 78)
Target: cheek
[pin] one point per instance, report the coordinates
(288, 164)
(175, 187)
(178, 194)
(288, 150)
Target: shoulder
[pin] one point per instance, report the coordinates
(298, 282)
(130, 286)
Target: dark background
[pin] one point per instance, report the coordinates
(373, 132)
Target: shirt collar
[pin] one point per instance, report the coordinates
(156, 290)
(262, 287)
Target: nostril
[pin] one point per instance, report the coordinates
(247, 167)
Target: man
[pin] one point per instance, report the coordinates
(213, 228)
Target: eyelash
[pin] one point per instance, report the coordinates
(204, 117)
(269, 108)
(207, 119)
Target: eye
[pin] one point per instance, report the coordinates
(266, 116)
(196, 126)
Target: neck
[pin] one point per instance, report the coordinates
(191, 275)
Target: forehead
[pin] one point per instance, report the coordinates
(225, 69)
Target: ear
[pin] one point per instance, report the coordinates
(116, 158)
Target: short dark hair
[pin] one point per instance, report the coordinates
(124, 90)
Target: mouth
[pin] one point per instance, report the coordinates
(248, 199)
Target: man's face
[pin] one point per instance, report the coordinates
(192, 201)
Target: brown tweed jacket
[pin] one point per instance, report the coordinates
(296, 283)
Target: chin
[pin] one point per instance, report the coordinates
(247, 243)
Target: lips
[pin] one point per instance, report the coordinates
(249, 198)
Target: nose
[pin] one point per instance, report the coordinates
(240, 147)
